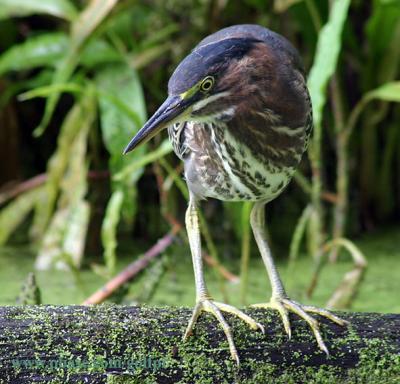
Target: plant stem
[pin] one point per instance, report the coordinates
(315, 17)
(340, 207)
(342, 176)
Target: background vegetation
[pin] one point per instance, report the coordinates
(79, 78)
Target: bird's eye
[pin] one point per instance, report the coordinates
(207, 84)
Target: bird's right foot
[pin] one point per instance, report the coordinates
(214, 307)
(283, 305)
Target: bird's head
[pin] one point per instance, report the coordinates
(206, 85)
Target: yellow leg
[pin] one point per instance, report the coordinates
(279, 300)
(203, 299)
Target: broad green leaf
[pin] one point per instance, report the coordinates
(162, 150)
(18, 8)
(73, 185)
(50, 252)
(64, 239)
(63, 243)
(75, 88)
(380, 26)
(64, 70)
(48, 90)
(88, 20)
(117, 126)
(13, 214)
(109, 229)
(74, 238)
(42, 50)
(76, 120)
(98, 51)
(56, 168)
(386, 92)
(382, 33)
(326, 57)
(46, 50)
(74, 189)
(327, 53)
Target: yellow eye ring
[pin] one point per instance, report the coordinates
(207, 84)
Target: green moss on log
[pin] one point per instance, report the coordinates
(148, 340)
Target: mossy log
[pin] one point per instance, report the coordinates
(119, 344)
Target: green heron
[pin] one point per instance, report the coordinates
(239, 115)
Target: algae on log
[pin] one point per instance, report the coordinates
(119, 344)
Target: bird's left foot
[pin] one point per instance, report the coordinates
(283, 305)
(215, 308)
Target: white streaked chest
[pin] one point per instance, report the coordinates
(220, 167)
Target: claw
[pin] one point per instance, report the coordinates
(325, 313)
(215, 308)
(283, 305)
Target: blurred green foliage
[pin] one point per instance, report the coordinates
(79, 78)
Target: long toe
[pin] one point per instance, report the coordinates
(325, 313)
(216, 308)
(283, 305)
(246, 318)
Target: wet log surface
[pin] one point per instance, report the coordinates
(120, 344)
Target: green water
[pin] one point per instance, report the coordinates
(379, 291)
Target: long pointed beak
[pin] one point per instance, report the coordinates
(173, 107)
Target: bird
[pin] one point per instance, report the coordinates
(239, 116)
